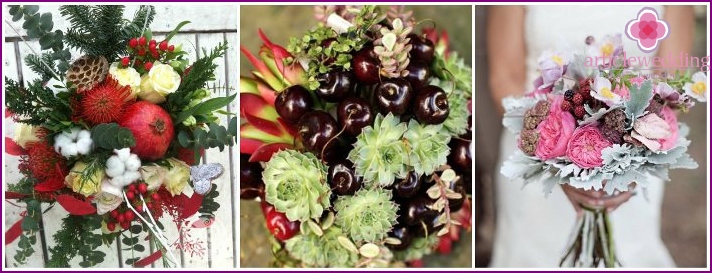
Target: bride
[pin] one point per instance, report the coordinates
(532, 230)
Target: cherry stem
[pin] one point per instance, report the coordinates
(426, 21)
(334, 137)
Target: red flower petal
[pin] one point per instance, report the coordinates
(264, 125)
(8, 113)
(14, 232)
(290, 128)
(9, 195)
(249, 146)
(149, 259)
(50, 185)
(12, 148)
(256, 106)
(75, 206)
(445, 245)
(189, 205)
(278, 52)
(265, 152)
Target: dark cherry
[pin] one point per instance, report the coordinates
(334, 85)
(430, 105)
(424, 229)
(401, 233)
(460, 158)
(342, 179)
(292, 103)
(418, 74)
(407, 187)
(423, 49)
(416, 210)
(278, 224)
(393, 95)
(251, 184)
(316, 128)
(353, 114)
(365, 66)
(458, 187)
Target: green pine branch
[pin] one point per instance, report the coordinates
(39, 64)
(202, 71)
(35, 104)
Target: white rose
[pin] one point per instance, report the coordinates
(106, 202)
(158, 83)
(25, 133)
(126, 77)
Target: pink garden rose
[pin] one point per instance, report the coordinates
(555, 131)
(585, 147)
(669, 116)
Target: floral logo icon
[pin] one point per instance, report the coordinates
(648, 29)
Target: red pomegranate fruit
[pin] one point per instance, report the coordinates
(152, 128)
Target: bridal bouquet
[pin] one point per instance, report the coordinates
(356, 139)
(110, 135)
(599, 127)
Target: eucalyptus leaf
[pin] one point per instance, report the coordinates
(30, 9)
(46, 23)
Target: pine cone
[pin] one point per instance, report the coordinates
(392, 49)
(86, 72)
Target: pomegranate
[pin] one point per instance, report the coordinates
(152, 128)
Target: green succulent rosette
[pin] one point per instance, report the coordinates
(457, 120)
(379, 154)
(428, 145)
(295, 183)
(366, 216)
(321, 251)
(419, 247)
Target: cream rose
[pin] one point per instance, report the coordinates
(177, 177)
(86, 187)
(127, 77)
(106, 202)
(153, 175)
(158, 83)
(25, 134)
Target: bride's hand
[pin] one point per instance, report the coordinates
(579, 197)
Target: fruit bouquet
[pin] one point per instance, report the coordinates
(110, 135)
(356, 139)
(599, 127)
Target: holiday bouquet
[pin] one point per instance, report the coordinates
(600, 126)
(112, 135)
(356, 140)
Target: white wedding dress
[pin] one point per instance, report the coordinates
(532, 230)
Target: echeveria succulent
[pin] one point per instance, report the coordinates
(379, 155)
(295, 183)
(366, 216)
(428, 145)
(321, 251)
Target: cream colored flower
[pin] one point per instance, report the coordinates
(24, 134)
(158, 83)
(106, 202)
(89, 185)
(127, 77)
(153, 175)
(177, 177)
(698, 87)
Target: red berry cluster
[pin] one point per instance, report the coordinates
(574, 100)
(123, 215)
(146, 54)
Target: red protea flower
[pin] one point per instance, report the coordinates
(42, 161)
(105, 102)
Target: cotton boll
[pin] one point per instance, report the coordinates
(123, 154)
(84, 145)
(83, 134)
(132, 163)
(114, 167)
(132, 175)
(74, 133)
(61, 141)
(69, 150)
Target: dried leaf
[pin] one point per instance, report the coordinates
(434, 192)
(393, 241)
(315, 228)
(347, 244)
(369, 250)
(443, 231)
(328, 221)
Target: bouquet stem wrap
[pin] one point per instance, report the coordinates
(592, 241)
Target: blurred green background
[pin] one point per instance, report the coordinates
(280, 23)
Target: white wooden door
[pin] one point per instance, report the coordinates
(210, 25)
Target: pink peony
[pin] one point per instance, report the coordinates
(555, 131)
(669, 116)
(585, 147)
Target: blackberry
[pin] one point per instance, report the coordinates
(578, 99)
(579, 112)
(566, 106)
(569, 95)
